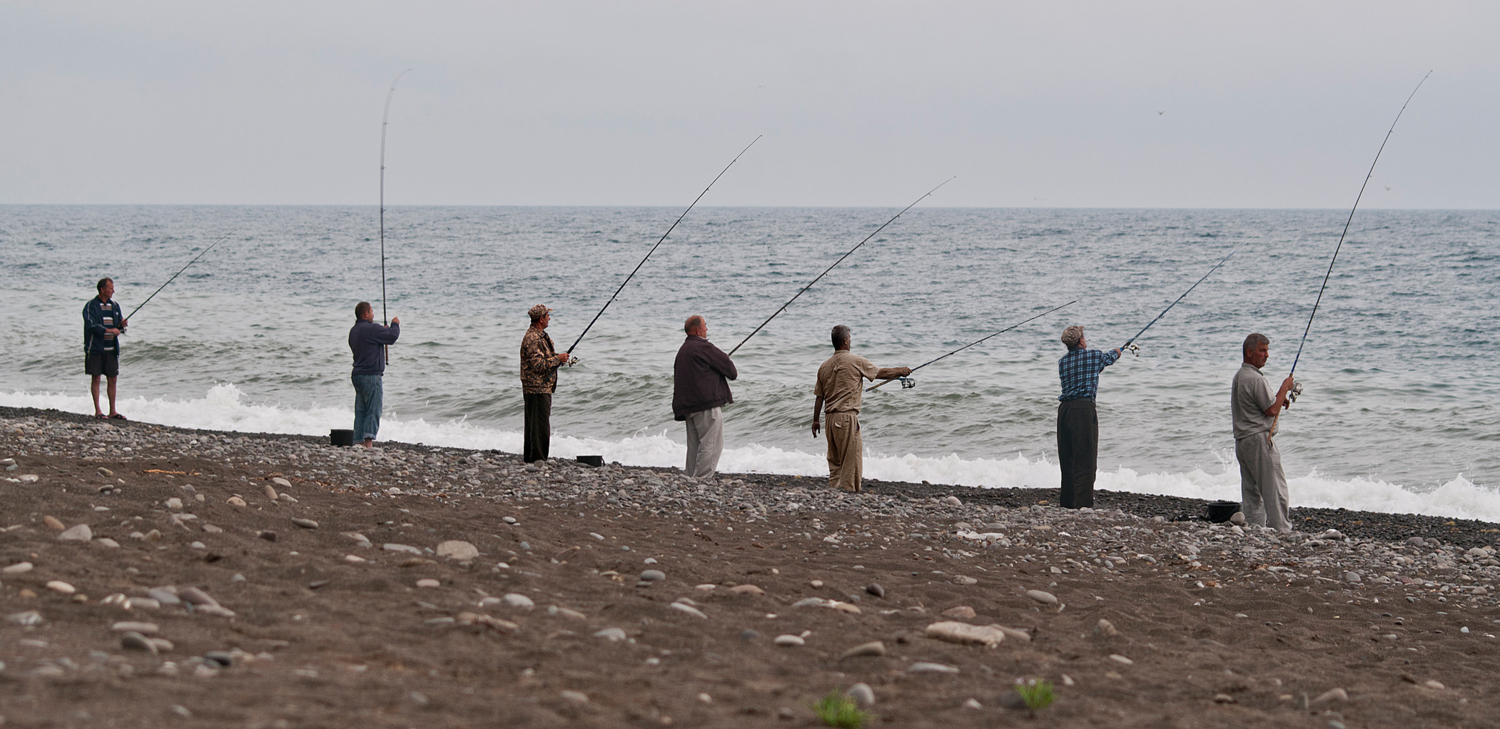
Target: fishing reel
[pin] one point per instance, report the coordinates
(1291, 395)
(1132, 348)
(571, 361)
(907, 383)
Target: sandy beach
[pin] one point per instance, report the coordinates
(228, 579)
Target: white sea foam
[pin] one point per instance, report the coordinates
(222, 408)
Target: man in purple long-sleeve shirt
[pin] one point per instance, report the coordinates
(367, 340)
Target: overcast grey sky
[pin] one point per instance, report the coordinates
(1072, 104)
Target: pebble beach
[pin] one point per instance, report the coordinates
(160, 576)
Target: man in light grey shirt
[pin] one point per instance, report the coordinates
(1263, 492)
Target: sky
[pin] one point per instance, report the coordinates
(1040, 104)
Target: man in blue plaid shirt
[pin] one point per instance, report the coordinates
(1077, 418)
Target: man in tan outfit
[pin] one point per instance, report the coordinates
(840, 390)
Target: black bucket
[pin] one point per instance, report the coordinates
(341, 437)
(595, 461)
(1220, 511)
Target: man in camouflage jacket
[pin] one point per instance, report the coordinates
(539, 363)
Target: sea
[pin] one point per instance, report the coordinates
(1400, 411)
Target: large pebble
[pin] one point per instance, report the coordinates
(872, 649)
(747, 590)
(962, 612)
(789, 641)
(54, 523)
(954, 632)
(16, 569)
(926, 667)
(877, 591)
(195, 596)
(79, 533)
(457, 549)
(613, 635)
(518, 601)
(1329, 696)
(163, 596)
(653, 576)
(407, 549)
(1046, 598)
(862, 694)
(689, 609)
(279, 481)
(305, 523)
(60, 586)
(137, 642)
(131, 626)
(428, 582)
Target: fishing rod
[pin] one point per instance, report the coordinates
(384, 121)
(1130, 345)
(907, 383)
(221, 239)
(1296, 386)
(658, 244)
(835, 263)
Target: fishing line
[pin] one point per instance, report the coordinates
(907, 382)
(835, 263)
(385, 120)
(1130, 343)
(221, 239)
(1350, 220)
(658, 243)
(1297, 386)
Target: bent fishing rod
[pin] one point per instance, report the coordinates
(658, 244)
(1296, 386)
(221, 239)
(907, 382)
(385, 120)
(835, 263)
(1130, 345)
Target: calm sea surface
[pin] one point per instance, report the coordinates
(1399, 370)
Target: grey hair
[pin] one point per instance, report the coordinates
(692, 324)
(1254, 340)
(840, 336)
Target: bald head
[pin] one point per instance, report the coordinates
(695, 326)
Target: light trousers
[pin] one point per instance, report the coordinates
(845, 451)
(1263, 491)
(705, 442)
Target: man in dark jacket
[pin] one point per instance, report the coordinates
(368, 340)
(699, 391)
(103, 323)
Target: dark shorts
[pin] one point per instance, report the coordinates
(102, 363)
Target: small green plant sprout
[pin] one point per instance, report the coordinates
(838, 710)
(1037, 693)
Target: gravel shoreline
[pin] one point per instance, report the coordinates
(1464, 533)
(331, 598)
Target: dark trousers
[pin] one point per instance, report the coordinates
(1077, 451)
(538, 434)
